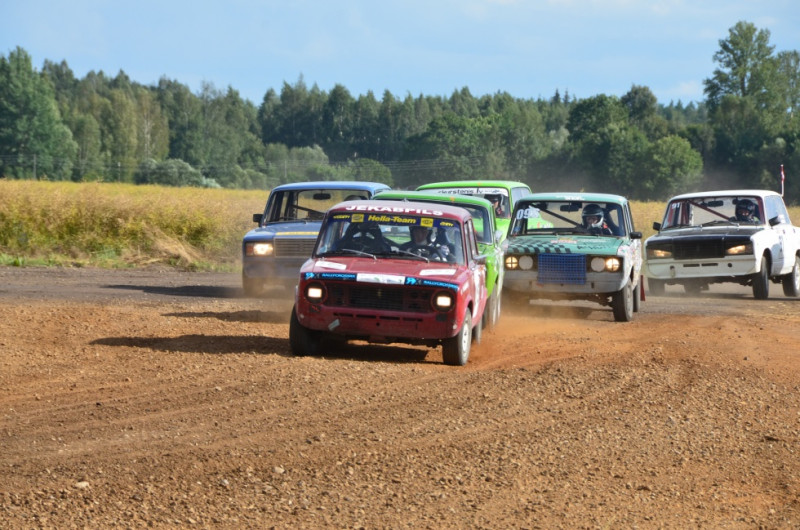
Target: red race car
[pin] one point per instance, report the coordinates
(392, 271)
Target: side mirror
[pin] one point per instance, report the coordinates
(257, 217)
(657, 227)
(635, 235)
(778, 219)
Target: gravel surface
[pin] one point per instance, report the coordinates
(166, 399)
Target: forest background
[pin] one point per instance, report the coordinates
(746, 133)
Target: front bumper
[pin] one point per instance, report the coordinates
(594, 283)
(378, 326)
(668, 269)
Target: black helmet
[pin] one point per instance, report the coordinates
(493, 197)
(745, 210)
(592, 210)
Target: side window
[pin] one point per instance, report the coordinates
(518, 193)
(472, 247)
(775, 208)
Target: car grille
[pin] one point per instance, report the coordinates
(562, 268)
(294, 247)
(379, 297)
(699, 249)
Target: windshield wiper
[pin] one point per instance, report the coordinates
(719, 222)
(347, 251)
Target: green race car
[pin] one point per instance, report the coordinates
(575, 246)
(503, 194)
(489, 238)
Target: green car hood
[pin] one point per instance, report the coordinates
(571, 244)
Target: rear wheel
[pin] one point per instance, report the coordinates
(492, 312)
(791, 282)
(455, 350)
(303, 341)
(761, 281)
(622, 304)
(477, 331)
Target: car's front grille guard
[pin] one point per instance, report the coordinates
(562, 268)
(294, 247)
(698, 249)
(377, 296)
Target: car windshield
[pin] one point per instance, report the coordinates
(307, 205)
(391, 235)
(568, 217)
(497, 196)
(711, 211)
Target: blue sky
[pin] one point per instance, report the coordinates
(528, 48)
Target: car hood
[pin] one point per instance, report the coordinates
(698, 233)
(565, 244)
(300, 229)
(388, 271)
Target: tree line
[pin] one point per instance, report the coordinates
(58, 127)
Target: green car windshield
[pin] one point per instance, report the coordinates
(575, 217)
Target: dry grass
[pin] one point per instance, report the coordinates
(122, 225)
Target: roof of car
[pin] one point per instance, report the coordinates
(333, 185)
(403, 207)
(476, 183)
(723, 193)
(574, 196)
(433, 197)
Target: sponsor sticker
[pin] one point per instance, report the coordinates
(386, 279)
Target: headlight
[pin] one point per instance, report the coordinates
(525, 263)
(512, 262)
(258, 249)
(443, 301)
(315, 293)
(657, 253)
(747, 248)
(599, 264)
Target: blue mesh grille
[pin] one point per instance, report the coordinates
(562, 268)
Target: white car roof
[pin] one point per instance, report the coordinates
(723, 193)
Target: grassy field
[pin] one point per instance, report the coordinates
(121, 225)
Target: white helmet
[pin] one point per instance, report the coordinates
(593, 210)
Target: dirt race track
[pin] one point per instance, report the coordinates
(166, 399)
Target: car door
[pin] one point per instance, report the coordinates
(783, 255)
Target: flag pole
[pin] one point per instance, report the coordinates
(783, 178)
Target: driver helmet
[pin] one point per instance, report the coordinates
(418, 230)
(745, 209)
(493, 197)
(592, 211)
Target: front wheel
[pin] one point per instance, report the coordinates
(622, 304)
(761, 281)
(637, 296)
(303, 341)
(252, 287)
(791, 282)
(656, 287)
(455, 350)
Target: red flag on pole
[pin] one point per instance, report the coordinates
(783, 178)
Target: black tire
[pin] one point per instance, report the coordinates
(761, 281)
(492, 312)
(637, 296)
(252, 287)
(303, 341)
(622, 304)
(455, 350)
(477, 330)
(791, 281)
(656, 287)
